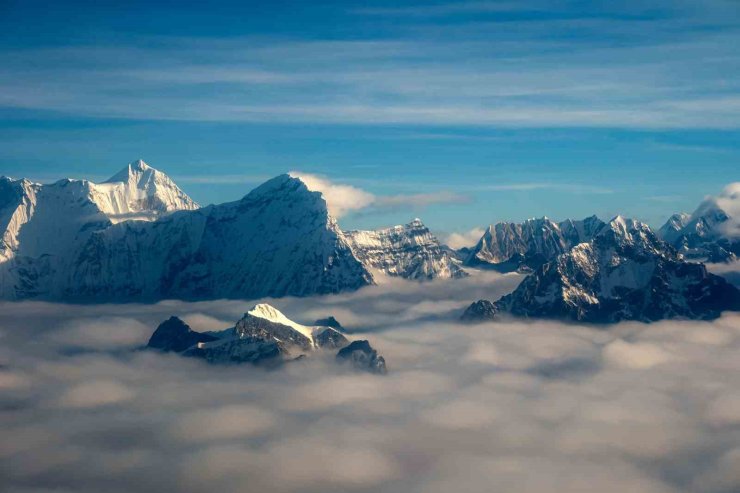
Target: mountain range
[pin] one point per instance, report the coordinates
(711, 233)
(410, 251)
(138, 237)
(510, 247)
(625, 272)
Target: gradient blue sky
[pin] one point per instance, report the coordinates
(510, 109)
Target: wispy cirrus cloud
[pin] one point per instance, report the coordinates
(221, 179)
(596, 68)
(441, 9)
(420, 200)
(565, 187)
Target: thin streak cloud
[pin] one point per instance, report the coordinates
(565, 187)
(523, 73)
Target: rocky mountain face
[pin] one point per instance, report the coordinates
(410, 251)
(137, 236)
(711, 233)
(278, 240)
(479, 311)
(363, 357)
(673, 227)
(265, 337)
(507, 247)
(624, 273)
(43, 226)
(174, 335)
(329, 322)
(139, 192)
(265, 321)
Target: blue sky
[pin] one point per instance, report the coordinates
(504, 110)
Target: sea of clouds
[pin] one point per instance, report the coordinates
(511, 406)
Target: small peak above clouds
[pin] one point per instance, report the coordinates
(272, 314)
(626, 227)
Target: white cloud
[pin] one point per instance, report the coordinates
(342, 199)
(636, 356)
(419, 200)
(724, 410)
(512, 405)
(460, 415)
(465, 239)
(102, 333)
(95, 393)
(223, 423)
(514, 74)
(729, 201)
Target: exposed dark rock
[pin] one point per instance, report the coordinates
(264, 337)
(363, 357)
(706, 234)
(510, 247)
(248, 349)
(330, 339)
(175, 335)
(410, 251)
(252, 326)
(479, 311)
(329, 322)
(624, 273)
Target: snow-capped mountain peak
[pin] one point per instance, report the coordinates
(272, 314)
(624, 273)
(132, 169)
(628, 230)
(278, 240)
(267, 322)
(44, 226)
(410, 251)
(265, 337)
(673, 226)
(511, 246)
(632, 236)
(711, 232)
(139, 191)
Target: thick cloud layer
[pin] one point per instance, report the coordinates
(508, 407)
